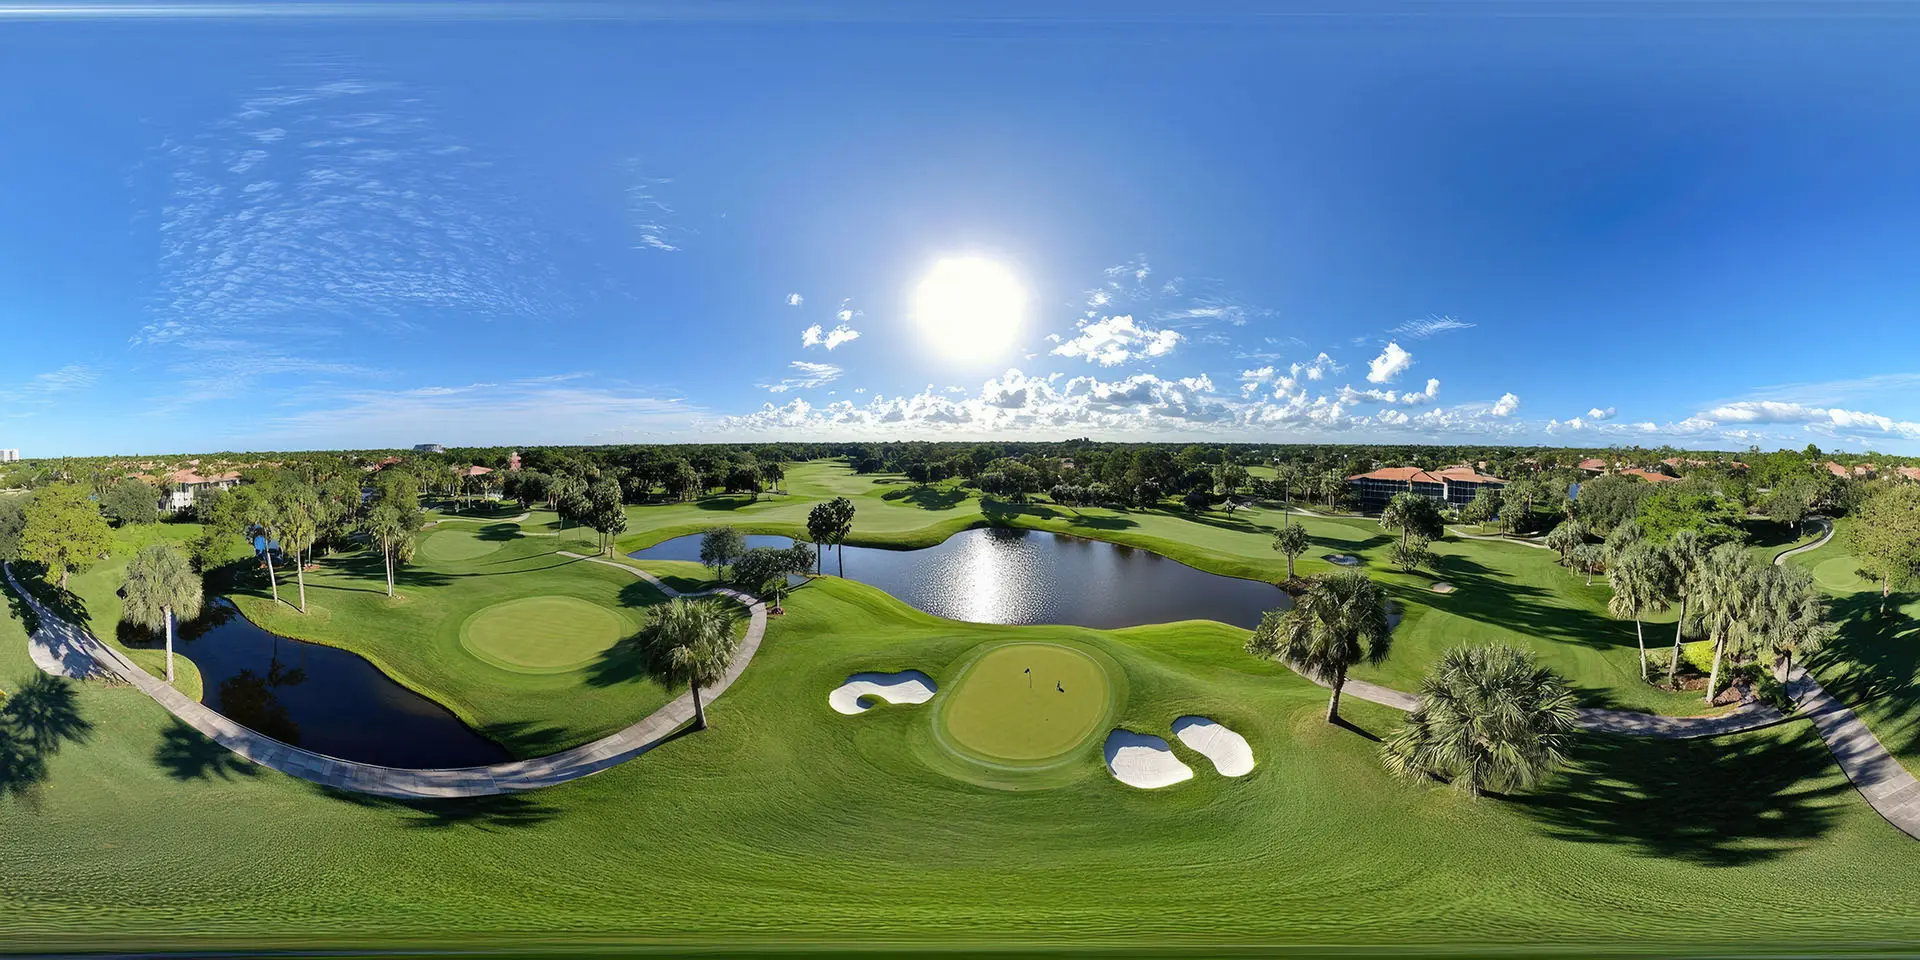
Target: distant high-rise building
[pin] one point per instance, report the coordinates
(8, 456)
(428, 448)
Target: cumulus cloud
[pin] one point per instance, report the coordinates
(803, 376)
(794, 299)
(1429, 326)
(1598, 413)
(814, 336)
(1391, 363)
(1506, 406)
(1111, 341)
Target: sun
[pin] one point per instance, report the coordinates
(970, 308)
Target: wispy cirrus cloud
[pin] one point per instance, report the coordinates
(543, 409)
(803, 375)
(653, 220)
(1429, 326)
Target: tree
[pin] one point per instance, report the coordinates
(1291, 540)
(1625, 534)
(262, 513)
(744, 480)
(1589, 558)
(1414, 516)
(1565, 537)
(606, 512)
(1792, 498)
(63, 531)
(1885, 535)
(719, 546)
(1686, 556)
(13, 522)
(1411, 555)
(1726, 596)
(1490, 718)
(392, 526)
(829, 523)
(1689, 505)
(1484, 506)
(131, 502)
(1340, 620)
(1197, 500)
(763, 571)
(299, 526)
(1790, 615)
(690, 642)
(772, 471)
(681, 480)
(161, 587)
(1642, 579)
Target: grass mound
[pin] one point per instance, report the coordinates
(1027, 703)
(1840, 574)
(541, 634)
(455, 545)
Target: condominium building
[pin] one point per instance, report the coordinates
(1456, 485)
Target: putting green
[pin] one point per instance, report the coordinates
(453, 545)
(542, 634)
(1026, 703)
(1840, 573)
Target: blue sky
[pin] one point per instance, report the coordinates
(261, 232)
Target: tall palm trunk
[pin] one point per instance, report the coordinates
(699, 711)
(1333, 702)
(1640, 633)
(1673, 666)
(271, 577)
(300, 573)
(168, 612)
(1713, 680)
(840, 550)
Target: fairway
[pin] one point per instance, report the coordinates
(1026, 703)
(453, 545)
(1840, 574)
(542, 634)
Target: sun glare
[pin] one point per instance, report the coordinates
(970, 308)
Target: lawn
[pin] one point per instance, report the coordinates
(1873, 663)
(787, 820)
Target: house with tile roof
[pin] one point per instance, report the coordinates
(1456, 485)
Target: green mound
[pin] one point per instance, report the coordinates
(454, 545)
(542, 634)
(1026, 704)
(1840, 573)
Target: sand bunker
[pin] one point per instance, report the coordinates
(907, 686)
(1138, 760)
(1228, 750)
(1442, 587)
(1345, 560)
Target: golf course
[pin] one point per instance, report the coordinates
(964, 789)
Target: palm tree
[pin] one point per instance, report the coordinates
(1624, 534)
(1565, 537)
(691, 642)
(161, 586)
(393, 526)
(1489, 718)
(264, 514)
(1686, 555)
(1589, 558)
(299, 526)
(1726, 590)
(1330, 483)
(1642, 580)
(1791, 616)
(1339, 621)
(1291, 540)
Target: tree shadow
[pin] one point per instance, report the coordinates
(928, 497)
(499, 532)
(1349, 726)
(20, 608)
(64, 603)
(528, 739)
(504, 811)
(36, 720)
(1725, 802)
(186, 754)
(725, 502)
(623, 662)
(1874, 657)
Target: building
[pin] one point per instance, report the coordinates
(513, 460)
(189, 483)
(9, 455)
(1910, 473)
(428, 448)
(1649, 476)
(1593, 465)
(1456, 485)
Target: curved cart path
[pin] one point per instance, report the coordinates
(70, 650)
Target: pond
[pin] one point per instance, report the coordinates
(318, 697)
(1000, 575)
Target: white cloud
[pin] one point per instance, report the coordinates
(804, 376)
(1598, 413)
(1506, 406)
(653, 224)
(814, 336)
(483, 414)
(1112, 341)
(794, 299)
(1427, 327)
(1428, 395)
(1392, 362)
(1818, 418)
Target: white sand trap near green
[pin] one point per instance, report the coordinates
(1229, 751)
(907, 686)
(1139, 760)
(1442, 587)
(1345, 560)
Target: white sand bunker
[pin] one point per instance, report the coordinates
(1138, 760)
(907, 686)
(1443, 587)
(1343, 559)
(1228, 750)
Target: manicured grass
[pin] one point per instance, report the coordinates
(542, 634)
(1026, 702)
(806, 824)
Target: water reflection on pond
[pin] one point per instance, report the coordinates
(1000, 575)
(321, 698)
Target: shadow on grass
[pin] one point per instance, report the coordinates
(929, 497)
(1725, 802)
(724, 502)
(623, 662)
(526, 738)
(499, 532)
(1875, 657)
(506, 811)
(186, 754)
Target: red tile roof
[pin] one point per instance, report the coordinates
(1836, 469)
(1911, 473)
(1457, 474)
(189, 477)
(1648, 475)
(476, 471)
(1593, 463)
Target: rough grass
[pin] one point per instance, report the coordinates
(806, 824)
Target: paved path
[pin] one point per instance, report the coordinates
(519, 519)
(1803, 548)
(67, 644)
(1456, 531)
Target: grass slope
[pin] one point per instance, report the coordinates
(787, 820)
